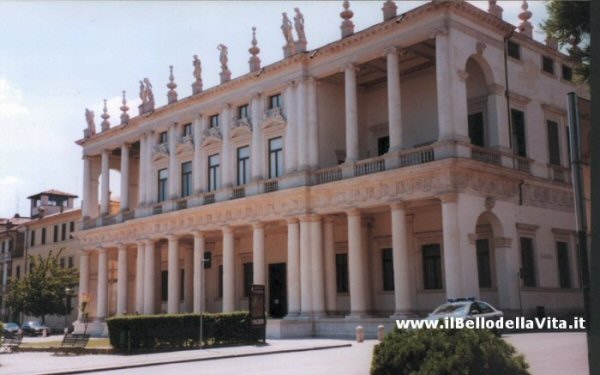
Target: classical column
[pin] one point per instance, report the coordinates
(174, 286)
(228, 270)
(199, 246)
(329, 259)
(393, 89)
(291, 141)
(105, 192)
(4, 273)
(84, 276)
(498, 118)
(102, 290)
(149, 172)
(197, 165)
(174, 167)
(139, 278)
(258, 253)
(316, 244)
(305, 266)
(450, 228)
(125, 177)
(313, 130)
(302, 125)
(122, 279)
(149, 277)
(227, 167)
(351, 108)
(356, 268)
(188, 279)
(293, 267)
(142, 171)
(400, 258)
(444, 88)
(87, 176)
(256, 156)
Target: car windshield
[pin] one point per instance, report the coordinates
(34, 324)
(450, 308)
(11, 325)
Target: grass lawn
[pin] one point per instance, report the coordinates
(93, 343)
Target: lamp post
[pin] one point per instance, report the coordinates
(204, 260)
(68, 294)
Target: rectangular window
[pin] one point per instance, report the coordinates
(476, 132)
(432, 266)
(484, 269)
(213, 121)
(527, 262)
(213, 172)
(221, 281)
(243, 111)
(518, 124)
(164, 285)
(248, 277)
(275, 157)
(163, 137)
(72, 227)
(32, 238)
(243, 165)
(383, 145)
(567, 73)
(513, 50)
(186, 179)
(341, 272)
(62, 262)
(181, 284)
(275, 101)
(55, 237)
(547, 65)
(187, 130)
(43, 236)
(18, 272)
(163, 176)
(70, 262)
(553, 143)
(387, 266)
(63, 233)
(564, 272)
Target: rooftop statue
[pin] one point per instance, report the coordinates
(91, 125)
(299, 24)
(148, 91)
(223, 57)
(197, 68)
(286, 28)
(143, 96)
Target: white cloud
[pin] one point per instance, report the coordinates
(10, 188)
(11, 100)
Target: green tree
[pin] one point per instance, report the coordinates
(569, 23)
(45, 289)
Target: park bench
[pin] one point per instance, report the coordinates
(73, 342)
(10, 342)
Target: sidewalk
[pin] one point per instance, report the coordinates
(31, 363)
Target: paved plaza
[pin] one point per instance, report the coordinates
(547, 353)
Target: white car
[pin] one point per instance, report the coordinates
(466, 308)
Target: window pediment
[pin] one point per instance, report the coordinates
(160, 151)
(240, 127)
(273, 118)
(185, 144)
(211, 136)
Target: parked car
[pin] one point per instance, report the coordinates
(34, 328)
(10, 327)
(466, 308)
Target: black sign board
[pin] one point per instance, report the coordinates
(258, 319)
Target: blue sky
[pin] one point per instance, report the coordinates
(58, 58)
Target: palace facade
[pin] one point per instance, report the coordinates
(423, 158)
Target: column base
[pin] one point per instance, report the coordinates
(292, 316)
(96, 328)
(400, 315)
(357, 315)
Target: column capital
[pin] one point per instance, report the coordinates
(84, 252)
(255, 95)
(440, 31)
(398, 205)
(149, 241)
(198, 234)
(258, 224)
(102, 250)
(292, 220)
(448, 197)
(227, 229)
(353, 211)
(173, 124)
(172, 237)
(140, 243)
(462, 75)
(495, 89)
(126, 145)
(502, 242)
(473, 237)
(122, 246)
(349, 66)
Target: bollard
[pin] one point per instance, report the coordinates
(66, 330)
(360, 334)
(380, 332)
(45, 333)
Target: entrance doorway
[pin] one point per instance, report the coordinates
(277, 290)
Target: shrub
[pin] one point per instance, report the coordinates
(439, 351)
(179, 331)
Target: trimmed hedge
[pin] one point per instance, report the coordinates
(179, 331)
(440, 351)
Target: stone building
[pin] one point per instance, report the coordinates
(11, 247)
(54, 219)
(422, 158)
